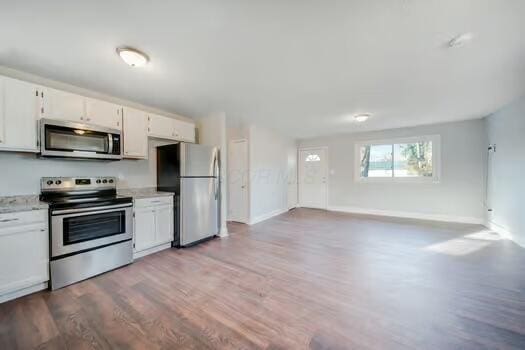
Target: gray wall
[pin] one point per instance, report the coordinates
(21, 173)
(506, 189)
(458, 196)
(269, 172)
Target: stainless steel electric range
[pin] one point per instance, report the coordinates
(90, 227)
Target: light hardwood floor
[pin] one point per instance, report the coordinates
(305, 279)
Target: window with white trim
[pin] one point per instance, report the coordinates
(408, 159)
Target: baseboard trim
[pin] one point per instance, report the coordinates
(24, 291)
(504, 233)
(223, 232)
(267, 216)
(151, 250)
(409, 215)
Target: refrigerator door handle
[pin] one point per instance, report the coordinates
(216, 173)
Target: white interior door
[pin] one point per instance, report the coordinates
(313, 172)
(292, 178)
(238, 181)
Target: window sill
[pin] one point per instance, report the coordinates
(388, 180)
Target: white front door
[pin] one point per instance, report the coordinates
(238, 181)
(313, 172)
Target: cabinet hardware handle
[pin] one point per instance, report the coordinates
(118, 123)
(9, 220)
(81, 118)
(36, 93)
(42, 230)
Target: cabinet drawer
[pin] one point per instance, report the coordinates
(23, 218)
(153, 202)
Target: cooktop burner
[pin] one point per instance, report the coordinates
(78, 192)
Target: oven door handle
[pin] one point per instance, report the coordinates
(91, 210)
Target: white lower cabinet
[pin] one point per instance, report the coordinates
(153, 228)
(24, 253)
(144, 229)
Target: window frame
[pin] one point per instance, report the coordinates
(436, 160)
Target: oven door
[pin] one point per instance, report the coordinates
(70, 139)
(77, 230)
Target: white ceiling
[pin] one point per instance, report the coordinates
(301, 66)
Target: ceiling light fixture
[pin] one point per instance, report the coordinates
(361, 117)
(133, 57)
(460, 40)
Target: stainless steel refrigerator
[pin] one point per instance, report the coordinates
(192, 172)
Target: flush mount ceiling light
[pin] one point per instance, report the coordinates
(361, 117)
(133, 57)
(460, 40)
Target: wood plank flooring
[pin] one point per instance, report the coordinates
(307, 279)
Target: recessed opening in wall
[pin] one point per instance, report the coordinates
(415, 159)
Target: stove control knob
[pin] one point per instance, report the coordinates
(110, 181)
(98, 181)
(49, 182)
(105, 181)
(58, 182)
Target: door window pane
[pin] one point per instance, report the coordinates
(413, 159)
(313, 158)
(376, 161)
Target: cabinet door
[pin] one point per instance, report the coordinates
(164, 224)
(21, 104)
(103, 113)
(144, 229)
(185, 131)
(135, 133)
(23, 256)
(63, 105)
(161, 127)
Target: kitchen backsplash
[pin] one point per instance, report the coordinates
(20, 173)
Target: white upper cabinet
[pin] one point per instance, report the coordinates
(64, 106)
(103, 113)
(135, 135)
(19, 110)
(171, 129)
(185, 131)
(161, 127)
(23, 103)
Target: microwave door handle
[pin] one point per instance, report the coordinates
(110, 145)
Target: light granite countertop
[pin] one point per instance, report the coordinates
(13, 204)
(145, 192)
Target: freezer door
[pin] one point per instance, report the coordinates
(198, 160)
(199, 209)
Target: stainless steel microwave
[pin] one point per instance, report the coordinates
(59, 138)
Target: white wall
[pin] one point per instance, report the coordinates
(212, 131)
(268, 163)
(506, 190)
(21, 173)
(458, 196)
